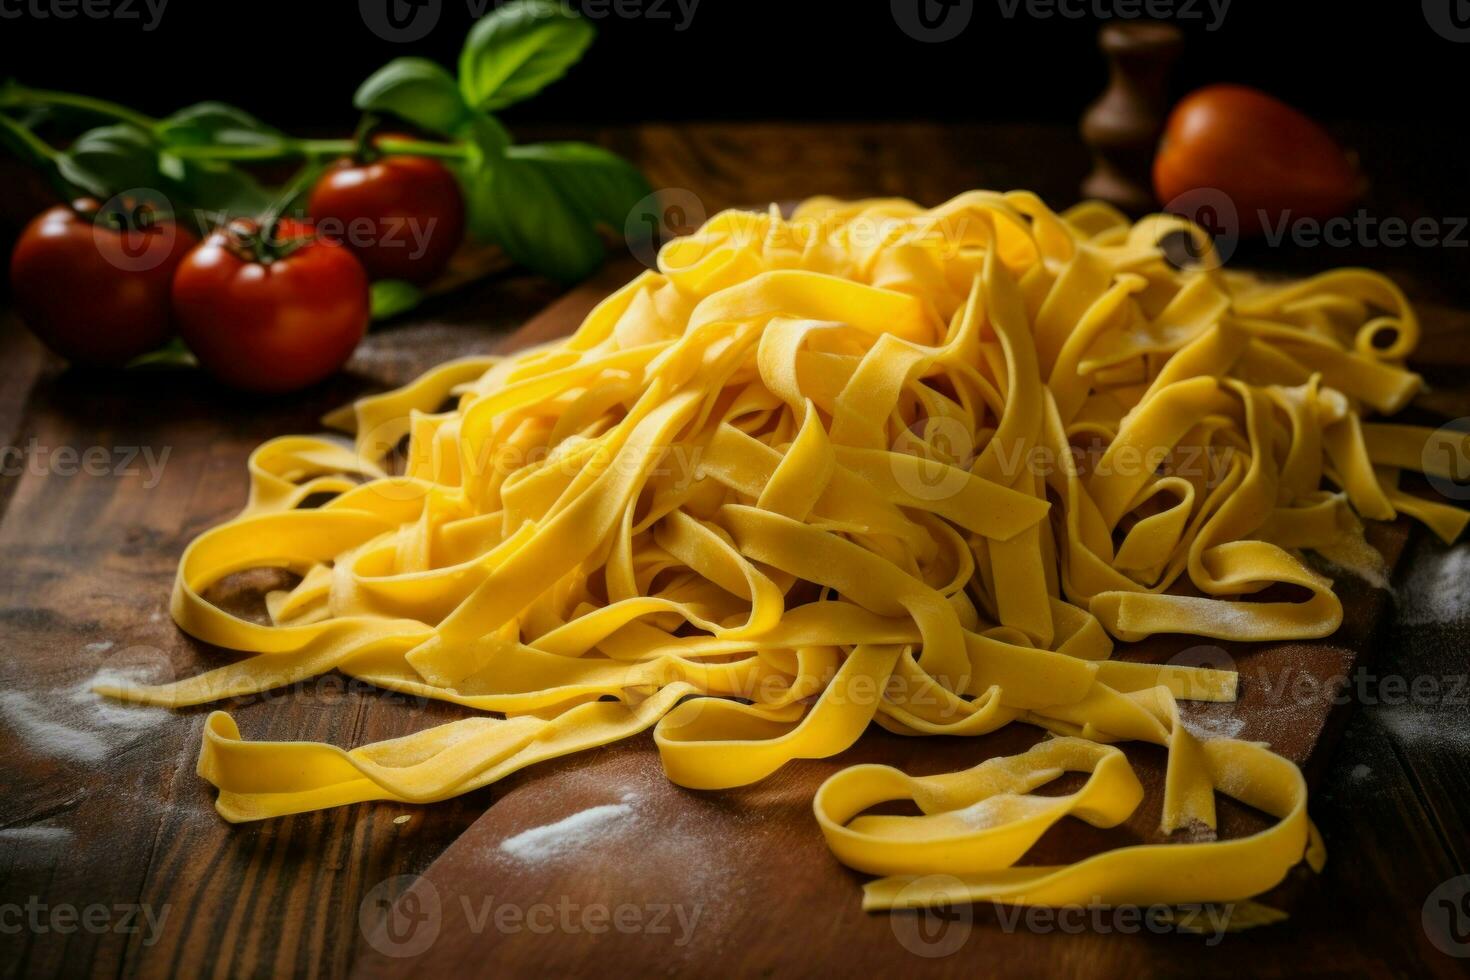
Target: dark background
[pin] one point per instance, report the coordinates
(1387, 83)
(298, 63)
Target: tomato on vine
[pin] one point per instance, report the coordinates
(271, 307)
(93, 283)
(402, 216)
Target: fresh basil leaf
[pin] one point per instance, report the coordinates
(215, 123)
(513, 203)
(485, 134)
(414, 89)
(390, 297)
(601, 185)
(111, 159)
(518, 49)
(215, 190)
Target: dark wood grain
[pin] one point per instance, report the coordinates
(86, 561)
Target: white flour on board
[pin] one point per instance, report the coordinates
(1437, 589)
(36, 722)
(76, 724)
(106, 712)
(1428, 725)
(1212, 721)
(570, 834)
(35, 836)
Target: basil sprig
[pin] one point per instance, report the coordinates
(541, 202)
(544, 203)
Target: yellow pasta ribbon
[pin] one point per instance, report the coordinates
(867, 464)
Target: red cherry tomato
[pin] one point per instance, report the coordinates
(402, 216)
(272, 316)
(1266, 157)
(95, 287)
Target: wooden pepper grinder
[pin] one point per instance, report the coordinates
(1122, 128)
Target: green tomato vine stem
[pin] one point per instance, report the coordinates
(18, 95)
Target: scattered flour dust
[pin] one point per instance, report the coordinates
(1211, 720)
(993, 811)
(1438, 588)
(1351, 555)
(74, 723)
(34, 848)
(118, 714)
(36, 723)
(572, 833)
(36, 835)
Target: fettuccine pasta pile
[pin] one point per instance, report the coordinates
(871, 464)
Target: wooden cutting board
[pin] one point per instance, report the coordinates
(663, 880)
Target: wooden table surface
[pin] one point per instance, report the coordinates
(102, 814)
